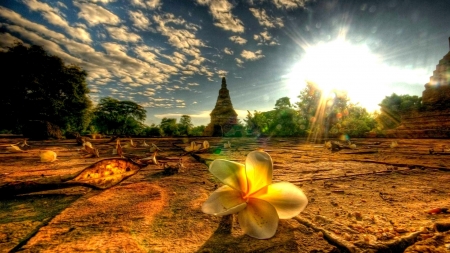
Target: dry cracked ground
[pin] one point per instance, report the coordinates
(370, 199)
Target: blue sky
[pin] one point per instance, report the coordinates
(170, 55)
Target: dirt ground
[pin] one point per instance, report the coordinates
(370, 199)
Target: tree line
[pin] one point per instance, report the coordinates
(38, 86)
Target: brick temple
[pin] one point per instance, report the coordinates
(223, 116)
(434, 120)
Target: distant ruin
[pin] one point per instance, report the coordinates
(433, 121)
(223, 116)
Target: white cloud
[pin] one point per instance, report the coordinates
(193, 84)
(7, 40)
(228, 51)
(149, 4)
(289, 4)
(265, 20)
(221, 72)
(139, 20)
(95, 14)
(238, 40)
(252, 56)
(53, 16)
(239, 62)
(264, 38)
(221, 12)
(122, 34)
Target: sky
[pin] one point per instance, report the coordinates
(170, 55)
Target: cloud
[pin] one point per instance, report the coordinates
(252, 56)
(193, 84)
(221, 12)
(179, 38)
(289, 4)
(95, 14)
(148, 4)
(53, 16)
(228, 51)
(221, 73)
(265, 20)
(239, 62)
(122, 34)
(139, 20)
(7, 40)
(238, 40)
(264, 38)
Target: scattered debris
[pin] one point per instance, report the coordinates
(14, 149)
(48, 156)
(154, 148)
(394, 144)
(193, 147)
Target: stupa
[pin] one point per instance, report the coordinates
(433, 121)
(223, 116)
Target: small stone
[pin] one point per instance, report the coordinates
(358, 215)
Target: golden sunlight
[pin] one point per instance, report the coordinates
(342, 66)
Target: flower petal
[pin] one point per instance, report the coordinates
(230, 173)
(259, 219)
(258, 168)
(224, 201)
(288, 199)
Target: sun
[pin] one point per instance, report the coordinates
(342, 66)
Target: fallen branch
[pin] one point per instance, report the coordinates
(330, 237)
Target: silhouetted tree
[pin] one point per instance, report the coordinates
(39, 86)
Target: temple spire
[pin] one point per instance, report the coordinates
(224, 83)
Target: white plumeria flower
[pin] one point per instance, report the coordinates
(249, 192)
(145, 144)
(227, 145)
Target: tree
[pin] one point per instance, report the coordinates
(39, 86)
(169, 126)
(152, 131)
(198, 130)
(185, 125)
(283, 102)
(394, 106)
(354, 121)
(112, 116)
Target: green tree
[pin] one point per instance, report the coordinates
(354, 121)
(393, 107)
(169, 126)
(198, 130)
(39, 86)
(112, 116)
(283, 102)
(185, 125)
(152, 131)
